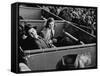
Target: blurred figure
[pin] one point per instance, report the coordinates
(83, 61)
(21, 31)
(53, 9)
(21, 37)
(74, 61)
(66, 62)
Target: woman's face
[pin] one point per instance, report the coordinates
(51, 25)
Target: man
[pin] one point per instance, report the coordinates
(34, 41)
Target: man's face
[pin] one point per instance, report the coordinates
(32, 32)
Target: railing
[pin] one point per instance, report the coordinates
(47, 59)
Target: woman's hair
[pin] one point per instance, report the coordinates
(50, 19)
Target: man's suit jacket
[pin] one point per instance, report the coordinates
(30, 44)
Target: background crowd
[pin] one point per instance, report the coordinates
(81, 17)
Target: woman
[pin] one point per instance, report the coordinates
(48, 31)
